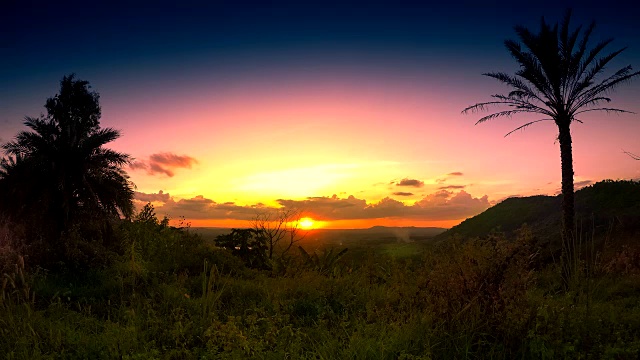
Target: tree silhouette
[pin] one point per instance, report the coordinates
(58, 173)
(559, 79)
(280, 229)
(248, 244)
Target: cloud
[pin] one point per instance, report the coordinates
(410, 182)
(576, 185)
(138, 165)
(199, 207)
(441, 205)
(401, 193)
(451, 187)
(583, 183)
(160, 196)
(173, 160)
(164, 163)
(443, 180)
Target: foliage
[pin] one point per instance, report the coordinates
(599, 205)
(324, 264)
(15, 287)
(248, 244)
(158, 247)
(58, 175)
(484, 297)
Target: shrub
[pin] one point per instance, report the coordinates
(479, 287)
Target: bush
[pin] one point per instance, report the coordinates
(479, 287)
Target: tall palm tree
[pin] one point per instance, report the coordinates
(59, 173)
(559, 78)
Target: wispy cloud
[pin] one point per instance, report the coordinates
(410, 182)
(583, 183)
(449, 187)
(164, 163)
(160, 196)
(451, 174)
(402, 193)
(577, 185)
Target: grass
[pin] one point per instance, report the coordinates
(465, 298)
(403, 250)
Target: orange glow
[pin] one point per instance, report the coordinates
(307, 223)
(222, 223)
(367, 223)
(301, 141)
(329, 224)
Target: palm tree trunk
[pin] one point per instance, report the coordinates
(568, 212)
(566, 158)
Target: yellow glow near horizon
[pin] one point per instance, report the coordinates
(306, 223)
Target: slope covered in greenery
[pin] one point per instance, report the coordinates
(602, 206)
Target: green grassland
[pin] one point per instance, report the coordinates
(170, 293)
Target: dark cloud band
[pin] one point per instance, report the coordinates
(410, 182)
(441, 205)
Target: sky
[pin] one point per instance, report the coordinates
(350, 113)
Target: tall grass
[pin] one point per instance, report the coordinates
(493, 297)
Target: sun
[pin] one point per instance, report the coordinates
(306, 223)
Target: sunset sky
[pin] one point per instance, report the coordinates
(350, 113)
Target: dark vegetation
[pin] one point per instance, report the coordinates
(603, 207)
(561, 77)
(85, 277)
(170, 293)
(59, 185)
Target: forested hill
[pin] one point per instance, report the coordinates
(602, 206)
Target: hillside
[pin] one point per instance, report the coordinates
(601, 206)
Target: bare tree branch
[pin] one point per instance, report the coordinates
(280, 229)
(633, 156)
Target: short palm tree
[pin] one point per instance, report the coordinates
(59, 171)
(559, 78)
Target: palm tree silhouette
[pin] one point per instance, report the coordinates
(559, 79)
(59, 171)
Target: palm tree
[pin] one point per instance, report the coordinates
(59, 173)
(559, 79)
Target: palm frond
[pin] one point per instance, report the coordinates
(531, 69)
(583, 84)
(98, 138)
(505, 113)
(608, 110)
(525, 91)
(585, 63)
(522, 127)
(633, 156)
(596, 101)
(607, 85)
